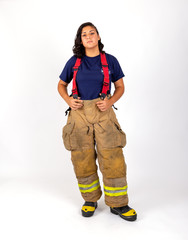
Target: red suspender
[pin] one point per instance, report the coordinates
(74, 87)
(105, 88)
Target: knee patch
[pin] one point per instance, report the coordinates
(112, 163)
(84, 162)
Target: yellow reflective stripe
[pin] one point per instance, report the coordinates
(115, 191)
(84, 188)
(89, 185)
(90, 190)
(115, 188)
(115, 194)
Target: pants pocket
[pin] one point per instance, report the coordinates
(119, 135)
(67, 131)
(110, 135)
(77, 138)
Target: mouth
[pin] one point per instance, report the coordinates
(89, 42)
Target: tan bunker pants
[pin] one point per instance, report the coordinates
(90, 134)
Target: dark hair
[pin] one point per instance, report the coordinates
(78, 48)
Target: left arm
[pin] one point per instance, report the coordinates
(103, 105)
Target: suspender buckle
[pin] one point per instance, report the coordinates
(75, 96)
(74, 91)
(105, 84)
(75, 68)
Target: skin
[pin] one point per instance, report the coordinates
(89, 39)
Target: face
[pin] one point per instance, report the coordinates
(89, 37)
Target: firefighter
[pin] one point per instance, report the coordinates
(92, 130)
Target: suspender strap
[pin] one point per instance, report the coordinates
(74, 86)
(105, 88)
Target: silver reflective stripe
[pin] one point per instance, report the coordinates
(115, 191)
(87, 188)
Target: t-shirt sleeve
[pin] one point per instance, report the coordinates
(117, 70)
(67, 73)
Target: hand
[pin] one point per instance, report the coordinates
(74, 104)
(103, 105)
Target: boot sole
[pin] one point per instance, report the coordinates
(128, 218)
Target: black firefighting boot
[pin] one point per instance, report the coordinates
(88, 209)
(125, 212)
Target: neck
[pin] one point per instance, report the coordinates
(92, 52)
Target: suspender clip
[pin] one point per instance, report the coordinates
(75, 96)
(102, 96)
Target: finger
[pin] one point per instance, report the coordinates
(79, 101)
(75, 106)
(99, 103)
(78, 105)
(101, 108)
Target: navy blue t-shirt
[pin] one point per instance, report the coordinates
(90, 77)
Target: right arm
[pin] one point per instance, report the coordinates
(73, 103)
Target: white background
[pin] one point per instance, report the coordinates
(39, 197)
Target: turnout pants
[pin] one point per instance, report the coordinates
(91, 134)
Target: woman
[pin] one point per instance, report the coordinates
(92, 130)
